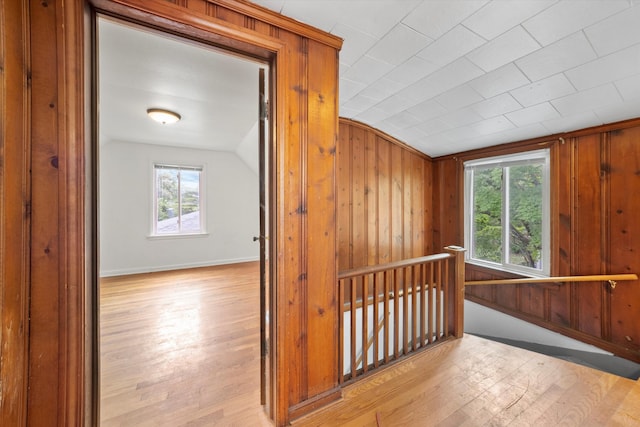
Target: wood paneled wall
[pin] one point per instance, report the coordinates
(595, 230)
(45, 52)
(14, 212)
(384, 198)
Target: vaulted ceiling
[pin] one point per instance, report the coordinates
(447, 76)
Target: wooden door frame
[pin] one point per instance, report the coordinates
(57, 298)
(265, 50)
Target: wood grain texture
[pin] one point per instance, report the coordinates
(15, 199)
(181, 348)
(594, 176)
(473, 382)
(383, 188)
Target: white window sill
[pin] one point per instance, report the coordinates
(499, 267)
(177, 236)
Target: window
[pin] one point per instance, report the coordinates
(177, 200)
(507, 212)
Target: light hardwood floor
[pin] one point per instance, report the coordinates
(181, 348)
(476, 382)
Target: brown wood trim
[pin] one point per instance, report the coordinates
(171, 18)
(539, 142)
(314, 403)
(15, 212)
(392, 265)
(605, 235)
(381, 134)
(284, 22)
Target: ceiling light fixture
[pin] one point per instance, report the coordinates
(165, 117)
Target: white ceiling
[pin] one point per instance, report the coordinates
(216, 94)
(447, 76)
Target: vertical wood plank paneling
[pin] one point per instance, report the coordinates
(14, 211)
(586, 234)
(384, 201)
(594, 177)
(560, 302)
(45, 334)
(407, 205)
(371, 192)
(396, 207)
(358, 204)
(624, 238)
(428, 219)
(321, 198)
(344, 197)
(388, 189)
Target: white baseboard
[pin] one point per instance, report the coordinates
(153, 269)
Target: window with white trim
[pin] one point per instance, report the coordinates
(177, 200)
(507, 212)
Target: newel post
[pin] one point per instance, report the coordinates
(458, 281)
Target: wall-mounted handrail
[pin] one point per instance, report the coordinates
(611, 278)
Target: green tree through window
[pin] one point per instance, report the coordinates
(507, 201)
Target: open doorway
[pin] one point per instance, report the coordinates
(178, 204)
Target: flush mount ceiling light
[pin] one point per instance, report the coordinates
(165, 117)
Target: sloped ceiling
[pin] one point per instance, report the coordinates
(215, 93)
(447, 76)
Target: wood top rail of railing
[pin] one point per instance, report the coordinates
(611, 278)
(361, 271)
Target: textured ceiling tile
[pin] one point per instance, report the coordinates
(367, 70)
(411, 71)
(615, 33)
(622, 111)
(544, 90)
(454, 44)
(355, 44)
(508, 47)
(499, 16)
(433, 127)
(571, 123)
(616, 66)
(459, 97)
(587, 100)
(427, 110)
(435, 17)
(560, 56)
(496, 106)
(349, 88)
(372, 115)
(499, 81)
(629, 88)
(492, 125)
(568, 16)
(382, 89)
(537, 113)
(360, 103)
(448, 77)
(462, 117)
(403, 120)
(398, 45)
(372, 17)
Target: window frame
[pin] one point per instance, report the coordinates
(540, 156)
(201, 200)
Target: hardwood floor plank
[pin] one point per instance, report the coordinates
(181, 348)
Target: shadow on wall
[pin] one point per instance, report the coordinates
(497, 326)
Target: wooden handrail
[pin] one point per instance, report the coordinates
(611, 278)
(371, 269)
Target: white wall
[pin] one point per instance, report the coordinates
(125, 208)
(481, 320)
